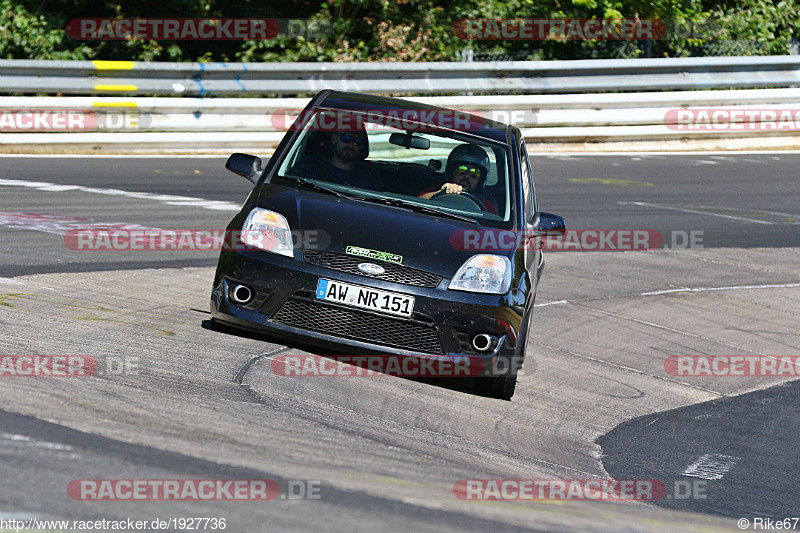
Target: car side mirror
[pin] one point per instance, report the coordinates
(545, 224)
(245, 165)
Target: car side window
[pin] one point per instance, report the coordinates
(527, 183)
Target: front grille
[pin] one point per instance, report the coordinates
(366, 327)
(394, 272)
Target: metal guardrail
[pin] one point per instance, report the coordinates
(516, 77)
(225, 124)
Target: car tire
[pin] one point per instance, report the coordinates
(504, 386)
(500, 387)
(523, 340)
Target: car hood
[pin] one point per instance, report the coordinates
(423, 241)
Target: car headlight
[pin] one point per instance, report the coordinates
(483, 273)
(268, 231)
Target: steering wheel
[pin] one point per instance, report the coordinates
(465, 194)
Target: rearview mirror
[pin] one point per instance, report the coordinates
(408, 140)
(548, 224)
(245, 165)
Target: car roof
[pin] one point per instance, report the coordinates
(479, 126)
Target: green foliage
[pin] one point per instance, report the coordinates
(24, 35)
(758, 27)
(413, 30)
(399, 30)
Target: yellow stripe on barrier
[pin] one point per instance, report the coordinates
(115, 88)
(113, 65)
(114, 104)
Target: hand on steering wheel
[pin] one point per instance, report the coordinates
(452, 188)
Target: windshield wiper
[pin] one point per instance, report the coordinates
(312, 185)
(414, 207)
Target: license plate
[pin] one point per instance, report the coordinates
(365, 297)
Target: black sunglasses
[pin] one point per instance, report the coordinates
(347, 138)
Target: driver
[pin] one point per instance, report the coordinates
(467, 169)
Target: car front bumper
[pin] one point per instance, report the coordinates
(285, 306)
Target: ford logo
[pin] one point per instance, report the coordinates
(371, 268)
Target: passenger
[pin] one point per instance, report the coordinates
(467, 170)
(348, 149)
(344, 160)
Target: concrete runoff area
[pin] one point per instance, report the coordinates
(600, 397)
(597, 361)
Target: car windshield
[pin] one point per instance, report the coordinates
(406, 164)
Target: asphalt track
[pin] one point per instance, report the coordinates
(596, 403)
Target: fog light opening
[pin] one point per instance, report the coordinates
(482, 342)
(241, 294)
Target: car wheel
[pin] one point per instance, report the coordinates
(500, 387)
(504, 386)
(523, 340)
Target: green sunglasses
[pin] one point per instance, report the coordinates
(476, 172)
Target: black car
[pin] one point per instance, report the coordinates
(386, 226)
